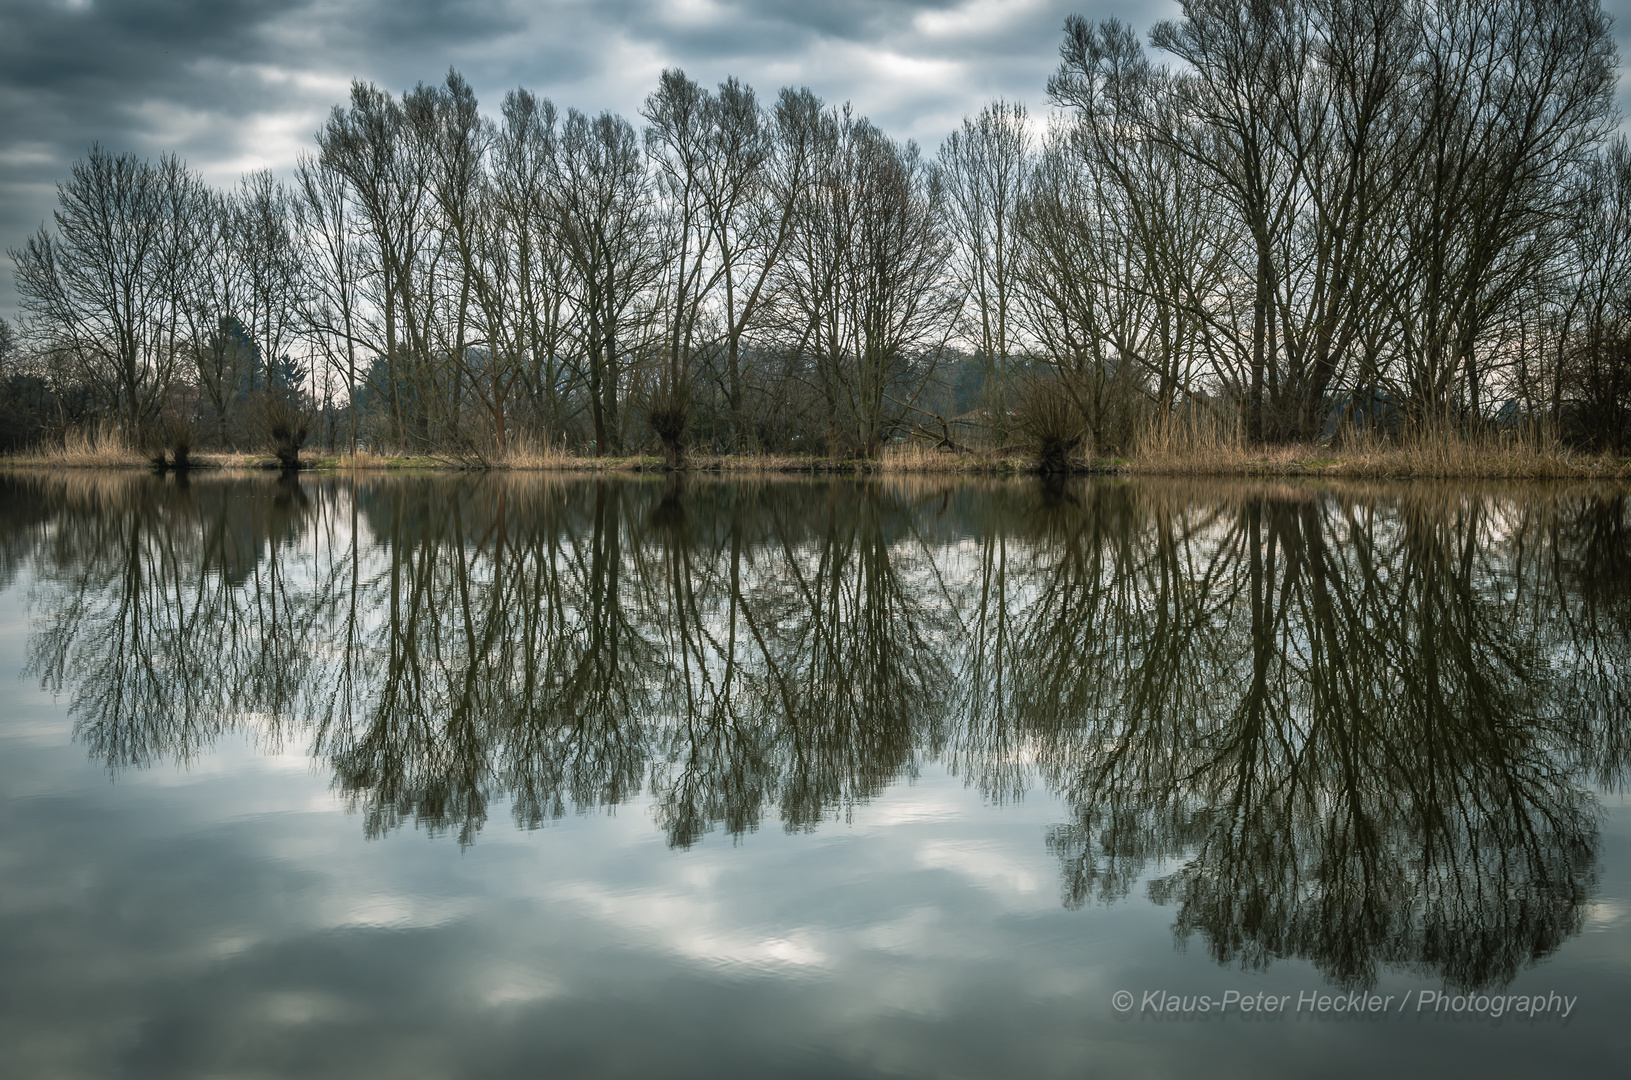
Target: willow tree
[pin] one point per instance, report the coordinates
(108, 288)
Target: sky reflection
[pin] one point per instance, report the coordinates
(204, 874)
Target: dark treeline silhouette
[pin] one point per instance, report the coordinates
(1360, 726)
(1313, 213)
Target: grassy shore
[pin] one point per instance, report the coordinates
(1181, 450)
(1159, 453)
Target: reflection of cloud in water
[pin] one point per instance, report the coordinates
(985, 863)
(1607, 915)
(1356, 726)
(693, 925)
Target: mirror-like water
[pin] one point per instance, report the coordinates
(503, 776)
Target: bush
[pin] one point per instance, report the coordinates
(178, 436)
(1050, 424)
(286, 427)
(668, 416)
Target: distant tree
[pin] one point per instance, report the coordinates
(601, 203)
(985, 166)
(108, 289)
(865, 278)
(330, 316)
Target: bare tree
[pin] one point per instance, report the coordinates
(368, 145)
(866, 277)
(1395, 173)
(273, 275)
(324, 214)
(1590, 391)
(1513, 96)
(763, 164)
(681, 116)
(1129, 248)
(529, 308)
(601, 203)
(221, 349)
(985, 166)
(109, 287)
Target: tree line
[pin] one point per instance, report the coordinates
(1285, 216)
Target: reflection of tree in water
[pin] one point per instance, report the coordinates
(559, 645)
(1376, 773)
(1586, 559)
(508, 660)
(1354, 727)
(169, 617)
(797, 671)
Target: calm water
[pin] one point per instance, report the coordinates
(433, 777)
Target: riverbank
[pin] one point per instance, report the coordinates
(1423, 458)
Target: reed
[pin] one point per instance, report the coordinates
(759, 462)
(1190, 442)
(96, 446)
(231, 459)
(1516, 453)
(525, 450)
(362, 460)
(1196, 443)
(921, 457)
(1209, 444)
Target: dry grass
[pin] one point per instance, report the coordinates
(370, 461)
(362, 459)
(919, 457)
(1197, 444)
(531, 454)
(98, 446)
(1207, 445)
(525, 451)
(1191, 444)
(1511, 454)
(232, 459)
(759, 463)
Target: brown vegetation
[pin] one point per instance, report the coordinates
(1175, 449)
(94, 446)
(1051, 424)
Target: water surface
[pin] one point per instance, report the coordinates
(470, 777)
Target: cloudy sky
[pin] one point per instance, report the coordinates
(236, 85)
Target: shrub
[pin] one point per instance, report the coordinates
(286, 428)
(669, 413)
(176, 432)
(1050, 424)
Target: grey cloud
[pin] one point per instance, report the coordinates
(417, 24)
(69, 76)
(241, 84)
(780, 24)
(238, 84)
